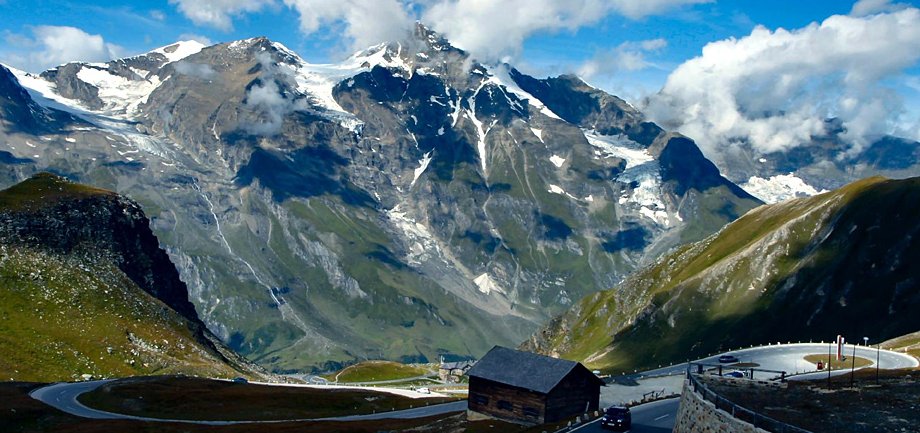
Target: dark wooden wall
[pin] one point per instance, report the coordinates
(518, 398)
(577, 393)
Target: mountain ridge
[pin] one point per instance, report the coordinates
(812, 261)
(395, 205)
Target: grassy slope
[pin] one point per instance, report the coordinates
(369, 371)
(63, 316)
(190, 398)
(44, 190)
(909, 343)
(694, 300)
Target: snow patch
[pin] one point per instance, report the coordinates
(120, 95)
(423, 165)
(619, 146)
(487, 285)
(421, 242)
(557, 160)
(180, 50)
(482, 133)
(501, 77)
(779, 188)
(659, 216)
(538, 133)
(556, 189)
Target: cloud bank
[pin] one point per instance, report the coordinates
(50, 46)
(775, 88)
(218, 13)
(496, 29)
(628, 56)
(491, 29)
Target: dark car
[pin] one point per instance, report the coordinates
(735, 374)
(728, 358)
(617, 418)
(240, 380)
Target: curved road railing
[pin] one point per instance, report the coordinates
(756, 419)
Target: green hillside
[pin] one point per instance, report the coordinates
(842, 262)
(71, 302)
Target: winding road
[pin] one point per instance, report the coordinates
(790, 358)
(657, 417)
(63, 396)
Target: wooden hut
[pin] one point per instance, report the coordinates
(527, 388)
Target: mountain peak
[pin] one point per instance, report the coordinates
(179, 50)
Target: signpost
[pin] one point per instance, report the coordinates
(840, 342)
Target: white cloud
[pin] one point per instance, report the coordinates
(198, 70)
(365, 23)
(158, 15)
(496, 29)
(628, 56)
(204, 40)
(869, 7)
(54, 45)
(776, 88)
(491, 29)
(218, 13)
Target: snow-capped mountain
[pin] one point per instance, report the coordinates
(841, 262)
(403, 203)
(825, 163)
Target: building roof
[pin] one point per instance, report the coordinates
(524, 369)
(456, 365)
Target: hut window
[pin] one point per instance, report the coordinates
(480, 399)
(505, 405)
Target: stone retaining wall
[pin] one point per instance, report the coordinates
(697, 415)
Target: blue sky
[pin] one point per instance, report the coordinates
(143, 25)
(628, 47)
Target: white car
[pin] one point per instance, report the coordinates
(423, 391)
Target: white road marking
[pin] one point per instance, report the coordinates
(662, 417)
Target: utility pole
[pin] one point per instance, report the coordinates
(829, 365)
(878, 356)
(853, 366)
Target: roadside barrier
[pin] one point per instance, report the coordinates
(756, 419)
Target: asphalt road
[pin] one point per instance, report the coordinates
(655, 417)
(789, 358)
(63, 396)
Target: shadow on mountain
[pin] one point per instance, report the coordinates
(632, 239)
(9, 158)
(307, 172)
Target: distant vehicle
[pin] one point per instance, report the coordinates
(617, 418)
(423, 391)
(735, 373)
(728, 358)
(240, 380)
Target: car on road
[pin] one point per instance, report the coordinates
(423, 391)
(725, 359)
(736, 373)
(617, 418)
(240, 380)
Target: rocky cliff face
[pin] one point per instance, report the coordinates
(403, 203)
(94, 279)
(811, 268)
(49, 213)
